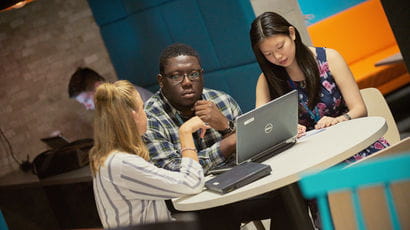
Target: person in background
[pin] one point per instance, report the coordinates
(128, 189)
(328, 93)
(83, 83)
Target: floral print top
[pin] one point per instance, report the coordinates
(331, 103)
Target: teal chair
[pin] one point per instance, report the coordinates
(3, 224)
(384, 171)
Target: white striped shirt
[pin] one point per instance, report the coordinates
(129, 190)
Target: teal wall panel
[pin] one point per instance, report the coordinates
(134, 46)
(228, 23)
(107, 11)
(239, 82)
(133, 6)
(136, 31)
(186, 24)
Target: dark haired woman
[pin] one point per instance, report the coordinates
(328, 93)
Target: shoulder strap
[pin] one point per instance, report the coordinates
(321, 54)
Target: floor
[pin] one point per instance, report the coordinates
(251, 225)
(265, 223)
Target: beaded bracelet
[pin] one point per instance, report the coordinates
(193, 149)
(347, 116)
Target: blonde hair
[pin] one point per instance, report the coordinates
(114, 124)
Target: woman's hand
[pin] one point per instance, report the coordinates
(301, 130)
(194, 124)
(329, 121)
(185, 136)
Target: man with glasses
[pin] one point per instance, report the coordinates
(182, 96)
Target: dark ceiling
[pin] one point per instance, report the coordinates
(7, 3)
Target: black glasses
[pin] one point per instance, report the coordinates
(179, 77)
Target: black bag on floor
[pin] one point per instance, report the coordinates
(63, 159)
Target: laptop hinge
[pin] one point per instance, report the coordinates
(276, 149)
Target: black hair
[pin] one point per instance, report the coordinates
(174, 50)
(269, 24)
(83, 79)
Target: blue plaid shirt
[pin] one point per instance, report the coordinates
(164, 121)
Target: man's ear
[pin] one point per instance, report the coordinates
(292, 32)
(159, 79)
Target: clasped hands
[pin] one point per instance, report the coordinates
(207, 115)
(211, 115)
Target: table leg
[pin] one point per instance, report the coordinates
(296, 207)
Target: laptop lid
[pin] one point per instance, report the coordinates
(266, 127)
(55, 142)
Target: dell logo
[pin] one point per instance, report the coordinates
(268, 128)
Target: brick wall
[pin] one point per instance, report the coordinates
(41, 45)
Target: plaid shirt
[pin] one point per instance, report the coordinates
(164, 121)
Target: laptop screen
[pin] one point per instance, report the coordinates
(266, 127)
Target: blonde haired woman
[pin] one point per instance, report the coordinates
(128, 189)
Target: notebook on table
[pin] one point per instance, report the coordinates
(260, 134)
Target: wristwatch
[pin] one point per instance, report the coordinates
(230, 129)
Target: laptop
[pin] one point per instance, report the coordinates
(55, 142)
(264, 131)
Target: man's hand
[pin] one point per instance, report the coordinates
(210, 114)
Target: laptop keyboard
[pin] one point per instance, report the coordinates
(227, 165)
(264, 155)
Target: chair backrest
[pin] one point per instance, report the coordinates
(375, 213)
(377, 106)
(384, 171)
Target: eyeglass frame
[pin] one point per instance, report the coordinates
(184, 75)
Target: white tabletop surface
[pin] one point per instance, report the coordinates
(315, 152)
